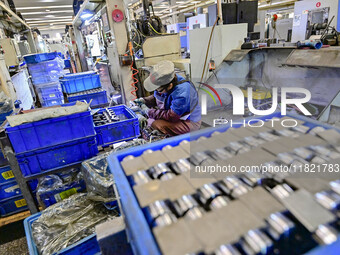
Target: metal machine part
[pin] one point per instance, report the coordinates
(234, 187)
(291, 159)
(335, 185)
(327, 152)
(107, 116)
(256, 242)
(304, 153)
(281, 191)
(301, 129)
(162, 172)
(221, 154)
(211, 197)
(279, 225)
(161, 213)
(227, 249)
(328, 199)
(268, 136)
(254, 141)
(141, 177)
(199, 158)
(326, 234)
(237, 147)
(182, 165)
(287, 133)
(187, 207)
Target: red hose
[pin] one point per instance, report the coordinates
(133, 84)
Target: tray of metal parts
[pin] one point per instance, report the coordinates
(115, 124)
(167, 212)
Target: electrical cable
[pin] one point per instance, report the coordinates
(134, 73)
(207, 53)
(156, 30)
(213, 71)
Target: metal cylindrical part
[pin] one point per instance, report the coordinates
(162, 171)
(268, 136)
(301, 129)
(141, 177)
(222, 153)
(335, 185)
(165, 220)
(279, 225)
(182, 165)
(253, 141)
(194, 213)
(326, 234)
(161, 214)
(210, 196)
(227, 249)
(288, 133)
(281, 191)
(328, 199)
(257, 242)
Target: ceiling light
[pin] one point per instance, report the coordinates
(48, 10)
(38, 13)
(43, 7)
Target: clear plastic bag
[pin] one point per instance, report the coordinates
(98, 178)
(67, 222)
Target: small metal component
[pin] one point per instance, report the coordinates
(162, 171)
(187, 207)
(211, 197)
(268, 136)
(194, 213)
(304, 153)
(325, 152)
(237, 148)
(254, 141)
(199, 158)
(301, 129)
(222, 154)
(328, 199)
(141, 177)
(234, 187)
(326, 234)
(279, 225)
(287, 133)
(335, 185)
(252, 178)
(256, 242)
(291, 159)
(181, 165)
(227, 249)
(281, 191)
(161, 214)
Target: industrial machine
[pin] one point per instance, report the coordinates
(181, 29)
(12, 51)
(315, 18)
(196, 22)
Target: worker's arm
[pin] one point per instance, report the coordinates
(150, 101)
(177, 109)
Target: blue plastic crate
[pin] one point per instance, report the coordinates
(49, 88)
(125, 129)
(37, 58)
(52, 76)
(58, 156)
(86, 246)
(74, 83)
(45, 67)
(6, 174)
(67, 63)
(52, 102)
(48, 132)
(9, 189)
(51, 197)
(12, 206)
(98, 97)
(136, 222)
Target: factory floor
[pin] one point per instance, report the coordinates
(13, 239)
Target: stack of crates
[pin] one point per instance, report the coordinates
(11, 199)
(85, 86)
(53, 143)
(45, 70)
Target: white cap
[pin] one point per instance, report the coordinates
(161, 74)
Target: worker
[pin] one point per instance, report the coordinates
(174, 107)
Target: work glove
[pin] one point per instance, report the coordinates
(145, 109)
(139, 101)
(143, 122)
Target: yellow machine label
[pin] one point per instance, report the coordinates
(52, 95)
(67, 193)
(20, 203)
(8, 175)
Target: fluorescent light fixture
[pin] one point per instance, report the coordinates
(39, 13)
(43, 7)
(53, 20)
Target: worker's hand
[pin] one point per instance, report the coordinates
(145, 109)
(139, 101)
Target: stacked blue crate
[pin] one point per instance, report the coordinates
(84, 86)
(45, 72)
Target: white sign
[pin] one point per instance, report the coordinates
(297, 20)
